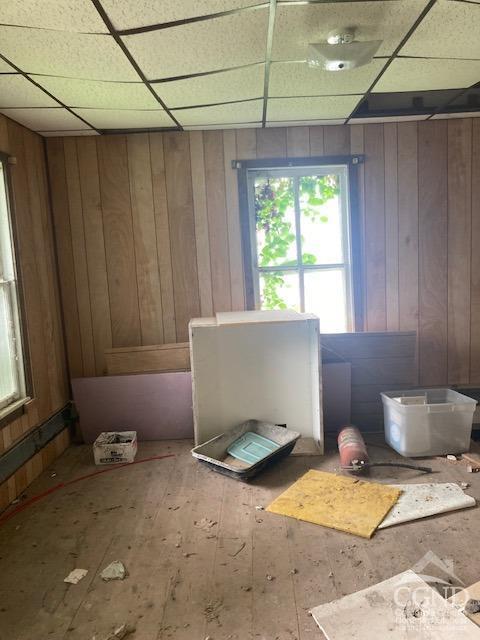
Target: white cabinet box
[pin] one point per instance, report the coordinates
(262, 365)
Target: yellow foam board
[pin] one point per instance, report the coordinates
(338, 502)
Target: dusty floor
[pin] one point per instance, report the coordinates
(186, 582)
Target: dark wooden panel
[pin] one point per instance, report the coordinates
(271, 143)
(475, 267)
(367, 345)
(433, 251)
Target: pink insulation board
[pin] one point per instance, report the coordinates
(158, 406)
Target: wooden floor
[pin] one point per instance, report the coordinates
(185, 582)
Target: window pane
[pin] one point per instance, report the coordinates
(275, 222)
(321, 219)
(280, 290)
(325, 297)
(7, 357)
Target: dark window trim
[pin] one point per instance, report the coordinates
(29, 391)
(352, 162)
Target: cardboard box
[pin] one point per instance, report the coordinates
(114, 447)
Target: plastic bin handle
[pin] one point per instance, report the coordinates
(441, 408)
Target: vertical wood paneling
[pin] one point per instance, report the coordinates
(162, 225)
(408, 225)
(406, 238)
(475, 267)
(182, 230)
(271, 143)
(95, 249)
(144, 231)
(197, 158)
(298, 142)
(217, 220)
(337, 140)
(432, 182)
(233, 222)
(375, 228)
(459, 252)
(357, 145)
(63, 237)
(119, 241)
(391, 225)
(79, 255)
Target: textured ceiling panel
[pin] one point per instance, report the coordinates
(73, 55)
(320, 108)
(45, 119)
(450, 30)
(61, 15)
(99, 95)
(238, 84)
(298, 25)
(298, 79)
(118, 119)
(56, 134)
(6, 68)
(408, 74)
(240, 112)
(221, 43)
(140, 13)
(17, 91)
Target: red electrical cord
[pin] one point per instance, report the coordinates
(62, 485)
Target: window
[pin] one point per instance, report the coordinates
(12, 376)
(299, 226)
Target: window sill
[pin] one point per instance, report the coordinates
(13, 411)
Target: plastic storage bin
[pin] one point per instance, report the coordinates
(428, 422)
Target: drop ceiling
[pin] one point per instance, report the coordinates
(83, 67)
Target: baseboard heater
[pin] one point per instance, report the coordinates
(19, 454)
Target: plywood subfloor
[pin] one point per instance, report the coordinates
(186, 582)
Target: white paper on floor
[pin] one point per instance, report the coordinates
(401, 608)
(422, 500)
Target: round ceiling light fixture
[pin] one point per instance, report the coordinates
(341, 52)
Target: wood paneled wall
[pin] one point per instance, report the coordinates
(148, 233)
(38, 273)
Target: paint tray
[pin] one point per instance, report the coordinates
(252, 448)
(215, 452)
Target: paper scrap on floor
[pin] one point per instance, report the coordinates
(347, 504)
(428, 499)
(400, 608)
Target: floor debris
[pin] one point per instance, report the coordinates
(452, 458)
(241, 548)
(472, 606)
(75, 576)
(394, 609)
(338, 502)
(426, 499)
(205, 523)
(114, 571)
(120, 632)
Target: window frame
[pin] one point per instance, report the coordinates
(245, 168)
(15, 406)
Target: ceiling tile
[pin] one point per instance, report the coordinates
(17, 91)
(298, 25)
(6, 68)
(73, 55)
(45, 119)
(450, 30)
(302, 123)
(388, 119)
(210, 127)
(98, 94)
(61, 15)
(298, 79)
(408, 74)
(221, 43)
(447, 116)
(57, 134)
(237, 113)
(126, 119)
(318, 108)
(237, 84)
(128, 15)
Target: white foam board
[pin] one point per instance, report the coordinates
(428, 499)
(401, 608)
